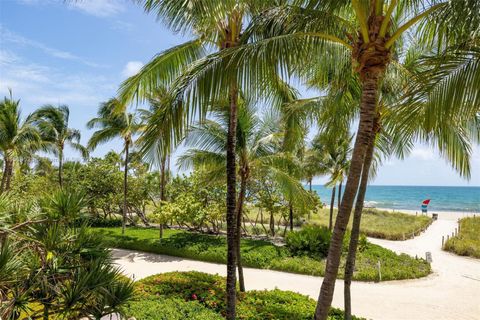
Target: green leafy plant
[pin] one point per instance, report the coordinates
(310, 240)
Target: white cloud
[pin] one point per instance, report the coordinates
(131, 68)
(38, 84)
(423, 153)
(99, 8)
(12, 37)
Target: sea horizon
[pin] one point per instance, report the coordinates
(410, 197)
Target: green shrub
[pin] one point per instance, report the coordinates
(263, 254)
(98, 222)
(311, 240)
(199, 289)
(170, 309)
(467, 242)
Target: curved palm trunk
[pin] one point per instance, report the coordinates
(332, 203)
(241, 200)
(367, 115)
(60, 167)
(357, 216)
(231, 204)
(125, 187)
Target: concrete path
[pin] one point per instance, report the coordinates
(452, 292)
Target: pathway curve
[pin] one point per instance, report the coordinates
(452, 292)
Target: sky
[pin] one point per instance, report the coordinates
(78, 52)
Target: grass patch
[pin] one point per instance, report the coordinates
(179, 294)
(376, 223)
(263, 254)
(467, 242)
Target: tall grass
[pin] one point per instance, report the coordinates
(467, 242)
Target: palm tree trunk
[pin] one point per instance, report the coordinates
(9, 174)
(163, 165)
(60, 167)
(290, 215)
(231, 204)
(357, 215)
(125, 187)
(368, 104)
(332, 203)
(5, 173)
(310, 185)
(339, 201)
(241, 200)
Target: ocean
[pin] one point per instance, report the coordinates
(461, 199)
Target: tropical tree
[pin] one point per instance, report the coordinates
(114, 121)
(17, 136)
(52, 123)
(258, 150)
(368, 33)
(218, 26)
(333, 151)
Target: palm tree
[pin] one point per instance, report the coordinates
(114, 121)
(218, 25)
(296, 37)
(17, 137)
(333, 150)
(52, 123)
(258, 151)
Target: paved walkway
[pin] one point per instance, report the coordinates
(452, 292)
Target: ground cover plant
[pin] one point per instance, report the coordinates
(467, 242)
(196, 295)
(263, 254)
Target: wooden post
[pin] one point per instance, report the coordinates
(456, 232)
(403, 236)
(443, 240)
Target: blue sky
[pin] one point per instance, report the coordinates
(78, 53)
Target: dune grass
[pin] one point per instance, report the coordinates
(263, 254)
(376, 223)
(467, 242)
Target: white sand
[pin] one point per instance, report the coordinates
(452, 292)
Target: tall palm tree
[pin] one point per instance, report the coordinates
(365, 32)
(114, 121)
(258, 150)
(218, 26)
(17, 136)
(52, 123)
(159, 137)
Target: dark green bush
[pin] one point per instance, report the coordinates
(98, 222)
(311, 240)
(170, 309)
(208, 290)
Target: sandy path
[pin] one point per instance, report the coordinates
(452, 292)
